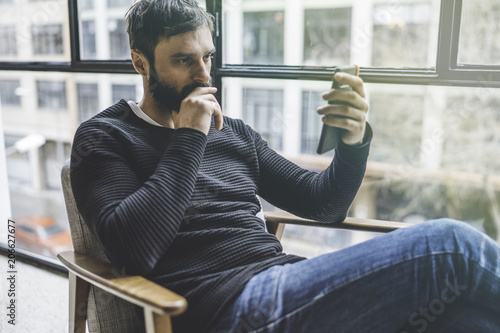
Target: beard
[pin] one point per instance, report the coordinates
(166, 95)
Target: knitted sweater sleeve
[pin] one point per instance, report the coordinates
(323, 196)
(136, 221)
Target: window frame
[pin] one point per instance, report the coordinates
(448, 71)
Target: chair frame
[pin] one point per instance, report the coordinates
(159, 303)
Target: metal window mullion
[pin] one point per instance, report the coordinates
(74, 31)
(449, 34)
(215, 8)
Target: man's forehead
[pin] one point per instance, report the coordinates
(191, 42)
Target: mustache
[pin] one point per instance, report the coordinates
(189, 88)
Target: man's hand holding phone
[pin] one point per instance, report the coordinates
(344, 117)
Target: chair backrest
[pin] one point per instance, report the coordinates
(105, 312)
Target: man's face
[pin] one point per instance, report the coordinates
(182, 63)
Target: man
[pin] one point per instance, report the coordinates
(169, 186)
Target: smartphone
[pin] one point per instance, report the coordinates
(330, 136)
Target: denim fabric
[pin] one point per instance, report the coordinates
(438, 276)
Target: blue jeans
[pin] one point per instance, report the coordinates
(438, 276)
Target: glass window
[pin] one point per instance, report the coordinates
(88, 100)
(388, 125)
(47, 39)
(51, 94)
(327, 36)
(369, 33)
(34, 173)
(33, 31)
(118, 39)
(85, 4)
(263, 37)
(120, 3)
(433, 153)
(480, 32)
(402, 39)
(263, 110)
(8, 40)
(124, 91)
(311, 122)
(103, 34)
(9, 93)
(88, 41)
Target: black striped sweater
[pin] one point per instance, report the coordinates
(179, 207)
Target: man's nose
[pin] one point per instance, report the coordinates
(202, 72)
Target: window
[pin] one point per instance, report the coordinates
(263, 111)
(120, 3)
(311, 123)
(124, 91)
(401, 36)
(88, 46)
(85, 4)
(8, 41)
(263, 37)
(118, 39)
(8, 93)
(327, 36)
(88, 98)
(51, 94)
(479, 33)
(47, 39)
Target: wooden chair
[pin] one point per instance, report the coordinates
(110, 301)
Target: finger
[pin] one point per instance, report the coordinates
(342, 110)
(341, 122)
(199, 91)
(219, 119)
(216, 112)
(355, 82)
(350, 97)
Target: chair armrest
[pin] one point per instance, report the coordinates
(350, 223)
(135, 289)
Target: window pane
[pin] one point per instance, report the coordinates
(263, 37)
(124, 91)
(9, 94)
(480, 33)
(35, 31)
(369, 33)
(327, 36)
(44, 109)
(103, 34)
(8, 42)
(434, 152)
(88, 41)
(51, 94)
(88, 97)
(47, 39)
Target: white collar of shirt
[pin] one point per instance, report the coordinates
(141, 114)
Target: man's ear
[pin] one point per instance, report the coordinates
(140, 62)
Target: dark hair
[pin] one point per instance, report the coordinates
(148, 21)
